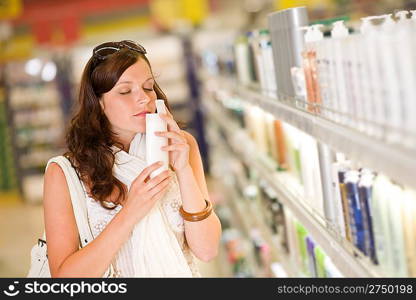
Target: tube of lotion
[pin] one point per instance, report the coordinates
(154, 153)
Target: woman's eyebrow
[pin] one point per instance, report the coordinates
(121, 82)
(127, 81)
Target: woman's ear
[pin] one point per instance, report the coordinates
(101, 101)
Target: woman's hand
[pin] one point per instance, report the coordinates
(178, 146)
(145, 192)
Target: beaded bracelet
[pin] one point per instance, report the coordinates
(199, 216)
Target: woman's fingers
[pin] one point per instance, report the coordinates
(147, 171)
(175, 147)
(160, 187)
(157, 179)
(171, 122)
(174, 135)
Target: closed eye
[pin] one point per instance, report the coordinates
(124, 92)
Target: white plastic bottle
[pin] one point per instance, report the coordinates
(405, 47)
(353, 65)
(339, 214)
(368, 103)
(374, 72)
(409, 227)
(392, 100)
(260, 67)
(242, 59)
(339, 34)
(154, 153)
(268, 63)
(310, 172)
(324, 73)
(398, 249)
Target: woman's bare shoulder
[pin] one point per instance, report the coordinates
(55, 182)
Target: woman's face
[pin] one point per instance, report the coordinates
(127, 103)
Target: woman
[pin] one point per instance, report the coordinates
(132, 222)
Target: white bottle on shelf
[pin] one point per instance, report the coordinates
(405, 44)
(382, 191)
(398, 253)
(242, 59)
(339, 215)
(340, 103)
(368, 103)
(409, 226)
(268, 63)
(324, 75)
(392, 100)
(154, 153)
(260, 65)
(310, 172)
(353, 66)
(373, 76)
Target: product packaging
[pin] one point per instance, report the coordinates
(154, 143)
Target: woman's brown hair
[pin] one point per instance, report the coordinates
(89, 137)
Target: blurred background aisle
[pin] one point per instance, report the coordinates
(303, 112)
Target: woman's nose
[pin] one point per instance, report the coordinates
(143, 98)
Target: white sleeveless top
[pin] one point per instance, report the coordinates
(99, 217)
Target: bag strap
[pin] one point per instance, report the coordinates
(77, 198)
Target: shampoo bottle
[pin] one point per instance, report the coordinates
(339, 33)
(392, 100)
(405, 44)
(312, 36)
(154, 153)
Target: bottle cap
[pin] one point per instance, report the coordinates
(160, 106)
(388, 21)
(402, 15)
(313, 33)
(339, 30)
(367, 24)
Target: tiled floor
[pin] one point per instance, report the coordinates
(22, 224)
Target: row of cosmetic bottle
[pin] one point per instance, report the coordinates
(307, 256)
(357, 204)
(253, 56)
(364, 80)
(375, 214)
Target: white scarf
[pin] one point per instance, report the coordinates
(156, 251)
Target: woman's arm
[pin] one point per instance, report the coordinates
(65, 257)
(203, 237)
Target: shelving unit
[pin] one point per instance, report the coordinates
(37, 120)
(398, 163)
(7, 166)
(345, 256)
(247, 221)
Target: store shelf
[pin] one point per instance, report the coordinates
(246, 222)
(241, 204)
(345, 256)
(396, 162)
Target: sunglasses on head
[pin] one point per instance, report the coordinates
(106, 49)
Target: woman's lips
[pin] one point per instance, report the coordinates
(142, 114)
